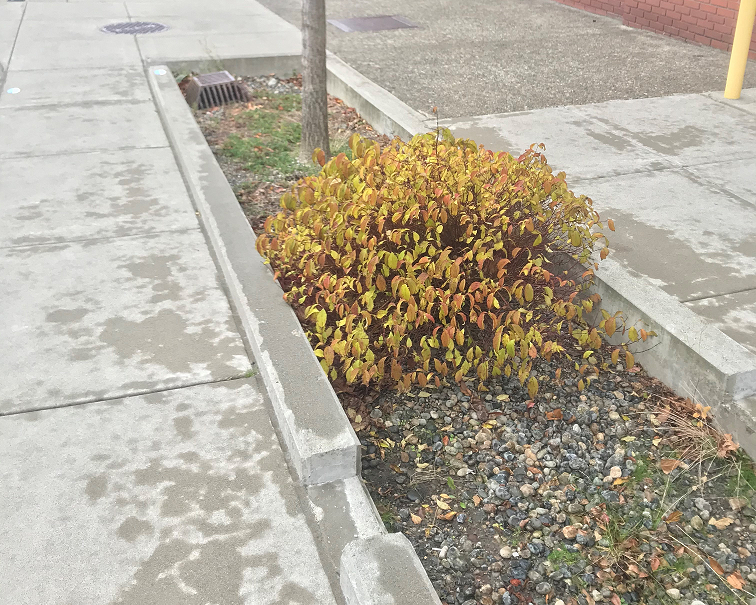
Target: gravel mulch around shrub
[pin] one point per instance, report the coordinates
(619, 493)
(576, 497)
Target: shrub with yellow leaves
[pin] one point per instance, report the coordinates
(434, 260)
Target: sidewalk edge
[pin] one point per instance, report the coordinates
(318, 435)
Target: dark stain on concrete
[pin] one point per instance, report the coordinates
(165, 339)
(66, 316)
(132, 528)
(96, 488)
(183, 426)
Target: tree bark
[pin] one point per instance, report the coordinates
(314, 95)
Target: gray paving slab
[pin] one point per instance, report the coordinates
(219, 23)
(686, 129)
(182, 8)
(177, 497)
(688, 237)
(213, 49)
(736, 176)
(68, 28)
(77, 128)
(107, 318)
(74, 86)
(734, 314)
(746, 102)
(48, 54)
(582, 147)
(10, 19)
(47, 11)
(53, 199)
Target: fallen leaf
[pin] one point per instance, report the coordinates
(415, 519)
(555, 415)
(655, 562)
(721, 523)
(629, 438)
(669, 464)
(716, 566)
(476, 500)
(442, 505)
(673, 517)
(621, 480)
(615, 599)
(502, 397)
(395, 468)
(735, 580)
(737, 503)
(448, 516)
(446, 496)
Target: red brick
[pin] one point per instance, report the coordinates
(727, 13)
(702, 40)
(689, 19)
(691, 3)
(667, 5)
(682, 10)
(642, 22)
(664, 20)
(645, 7)
(686, 35)
(722, 3)
(637, 12)
(708, 8)
(716, 19)
(697, 29)
(720, 45)
(653, 2)
(698, 13)
(674, 14)
(672, 31)
(631, 3)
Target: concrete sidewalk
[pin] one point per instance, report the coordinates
(483, 57)
(139, 461)
(678, 176)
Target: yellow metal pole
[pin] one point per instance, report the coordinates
(740, 47)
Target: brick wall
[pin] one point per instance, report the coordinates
(709, 22)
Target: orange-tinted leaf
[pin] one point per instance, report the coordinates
(735, 580)
(669, 464)
(554, 415)
(716, 566)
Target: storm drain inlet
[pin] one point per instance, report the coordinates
(134, 27)
(214, 90)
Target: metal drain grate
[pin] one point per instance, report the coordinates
(213, 90)
(372, 24)
(134, 27)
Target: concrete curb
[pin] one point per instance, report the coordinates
(690, 355)
(321, 443)
(318, 436)
(240, 66)
(382, 110)
(373, 567)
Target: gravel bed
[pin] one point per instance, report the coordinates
(576, 497)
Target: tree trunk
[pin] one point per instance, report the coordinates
(314, 96)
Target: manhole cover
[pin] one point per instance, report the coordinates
(134, 27)
(372, 24)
